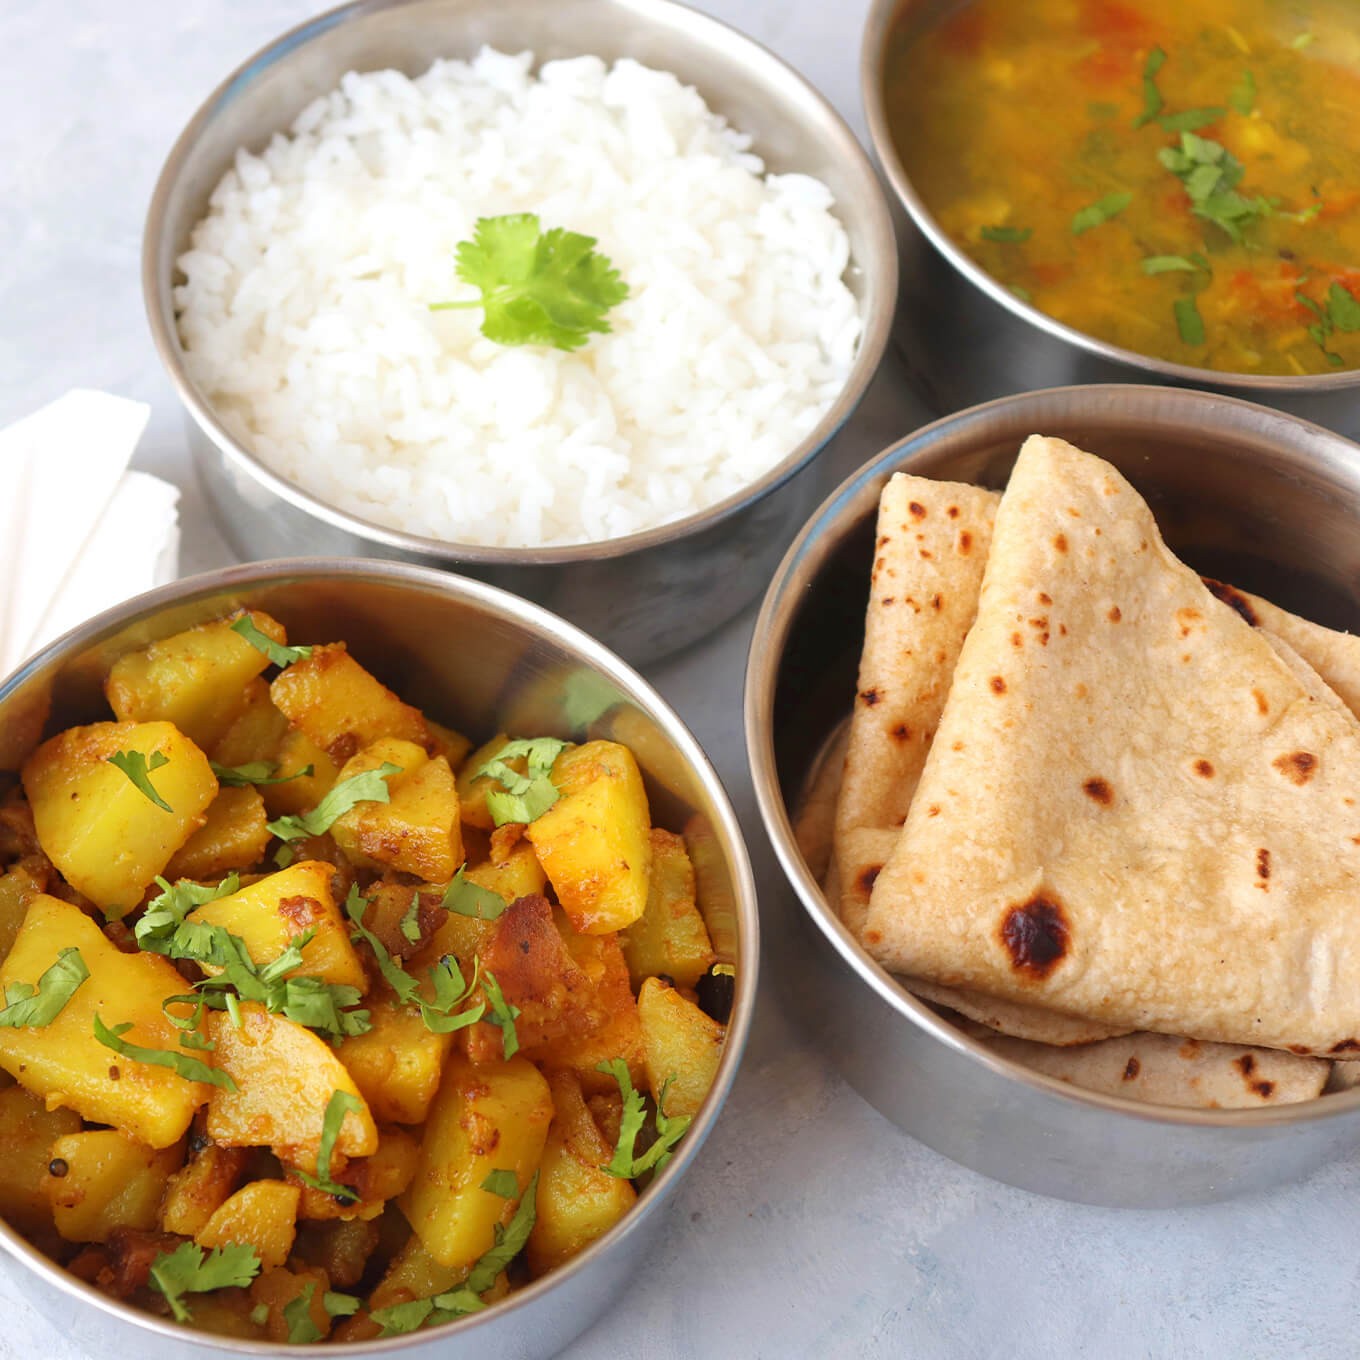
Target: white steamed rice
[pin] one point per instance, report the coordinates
(305, 319)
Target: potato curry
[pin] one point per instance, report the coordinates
(318, 1024)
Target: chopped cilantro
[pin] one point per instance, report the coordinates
(470, 899)
(1191, 120)
(503, 1014)
(280, 655)
(368, 787)
(165, 914)
(191, 1069)
(1153, 103)
(1167, 264)
(669, 1131)
(297, 1313)
(30, 1007)
(1188, 320)
(410, 921)
(187, 1270)
(1018, 235)
(502, 1183)
(338, 1106)
(1243, 96)
(522, 797)
(138, 768)
(255, 772)
(537, 287)
(1102, 210)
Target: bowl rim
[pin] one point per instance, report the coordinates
(538, 622)
(882, 17)
(878, 268)
(829, 524)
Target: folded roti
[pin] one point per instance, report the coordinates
(1161, 1069)
(1133, 810)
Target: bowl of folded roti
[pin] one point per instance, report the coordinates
(1052, 716)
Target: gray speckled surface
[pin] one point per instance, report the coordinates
(810, 1226)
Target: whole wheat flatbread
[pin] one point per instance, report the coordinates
(1133, 810)
(1161, 1069)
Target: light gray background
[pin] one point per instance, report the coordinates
(810, 1226)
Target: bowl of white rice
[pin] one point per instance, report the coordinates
(641, 477)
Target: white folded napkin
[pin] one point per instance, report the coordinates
(78, 531)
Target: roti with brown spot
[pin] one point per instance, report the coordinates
(1140, 816)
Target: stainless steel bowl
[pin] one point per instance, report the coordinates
(649, 593)
(1242, 493)
(967, 338)
(480, 658)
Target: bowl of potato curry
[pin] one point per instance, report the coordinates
(375, 950)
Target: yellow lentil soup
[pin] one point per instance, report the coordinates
(1177, 177)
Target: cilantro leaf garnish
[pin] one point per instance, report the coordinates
(297, 1313)
(370, 786)
(1101, 211)
(1153, 102)
(503, 1015)
(280, 655)
(191, 1069)
(1210, 174)
(256, 772)
(326, 1007)
(165, 914)
(442, 1015)
(1191, 120)
(470, 899)
(1243, 96)
(538, 288)
(1340, 312)
(138, 768)
(1166, 264)
(502, 1183)
(187, 1270)
(337, 1107)
(466, 1298)
(1188, 320)
(30, 1007)
(410, 921)
(669, 1131)
(1018, 235)
(340, 1305)
(522, 797)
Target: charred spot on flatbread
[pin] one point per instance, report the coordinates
(1233, 598)
(1035, 935)
(1298, 766)
(916, 509)
(1262, 866)
(1346, 1046)
(1131, 1069)
(1099, 791)
(1204, 769)
(998, 684)
(867, 877)
(870, 696)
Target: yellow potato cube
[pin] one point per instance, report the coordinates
(261, 1215)
(256, 732)
(298, 792)
(285, 1076)
(375, 1180)
(65, 1064)
(276, 1289)
(201, 1187)
(272, 912)
(340, 706)
(416, 831)
(234, 836)
(397, 1064)
(196, 679)
(594, 843)
(576, 1201)
(472, 789)
(680, 1044)
(444, 741)
(484, 1119)
(102, 1180)
(19, 885)
(108, 839)
(27, 1132)
(670, 937)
